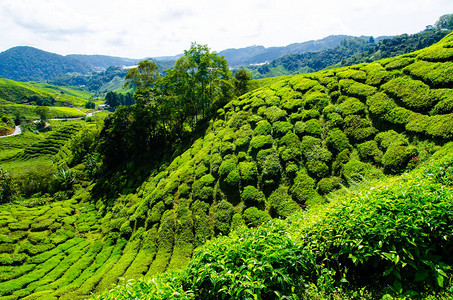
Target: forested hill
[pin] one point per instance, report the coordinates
(31, 64)
(260, 54)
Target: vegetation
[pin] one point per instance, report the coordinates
(191, 177)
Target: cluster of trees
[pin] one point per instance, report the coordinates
(404, 43)
(166, 105)
(114, 100)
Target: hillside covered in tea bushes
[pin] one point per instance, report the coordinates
(269, 154)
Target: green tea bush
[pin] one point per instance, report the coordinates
(274, 114)
(357, 75)
(337, 140)
(263, 127)
(303, 84)
(252, 197)
(414, 94)
(312, 149)
(356, 89)
(394, 235)
(369, 152)
(387, 138)
(329, 184)
(281, 203)
(444, 99)
(356, 171)
(223, 214)
(275, 267)
(310, 114)
(270, 167)
(303, 188)
(248, 171)
(380, 103)
(261, 142)
(358, 129)
(203, 188)
(352, 106)
(317, 169)
(254, 217)
(313, 127)
(441, 126)
(281, 128)
(316, 100)
(396, 158)
(436, 53)
(433, 74)
(299, 128)
(399, 63)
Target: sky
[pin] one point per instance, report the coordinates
(140, 28)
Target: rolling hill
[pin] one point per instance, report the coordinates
(31, 64)
(269, 154)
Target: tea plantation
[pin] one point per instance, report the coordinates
(323, 151)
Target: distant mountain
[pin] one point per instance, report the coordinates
(27, 63)
(104, 61)
(260, 54)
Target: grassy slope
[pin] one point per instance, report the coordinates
(271, 152)
(14, 91)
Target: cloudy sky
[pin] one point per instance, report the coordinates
(140, 28)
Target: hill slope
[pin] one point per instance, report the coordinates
(269, 154)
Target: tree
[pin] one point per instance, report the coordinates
(445, 22)
(242, 78)
(198, 83)
(43, 112)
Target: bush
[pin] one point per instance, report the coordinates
(358, 129)
(203, 187)
(223, 214)
(380, 103)
(316, 100)
(254, 217)
(413, 93)
(281, 128)
(274, 114)
(248, 171)
(444, 99)
(369, 151)
(317, 168)
(356, 170)
(312, 149)
(263, 127)
(7, 187)
(396, 157)
(313, 127)
(337, 140)
(252, 197)
(260, 142)
(258, 264)
(281, 204)
(299, 128)
(352, 106)
(387, 138)
(303, 188)
(327, 185)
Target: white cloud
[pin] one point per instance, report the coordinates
(140, 29)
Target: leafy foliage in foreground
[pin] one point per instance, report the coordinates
(395, 234)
